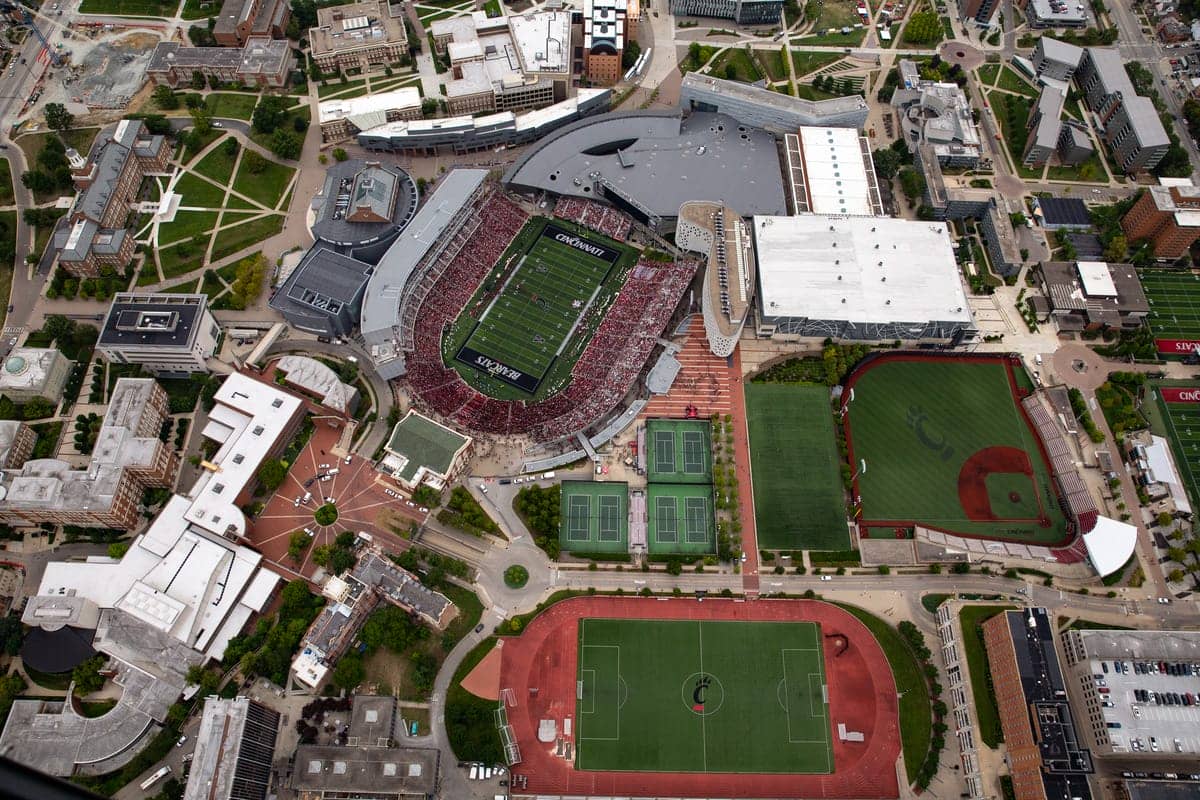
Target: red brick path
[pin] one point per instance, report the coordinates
(862, 695)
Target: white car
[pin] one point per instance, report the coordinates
(826, 577)
(218, 124)
(743, 558)
(1164, 600)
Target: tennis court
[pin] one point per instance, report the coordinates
(799, 499)
(1174, 298)
(702, 696)
(594, 517)
(678, 451)
(539, 305)
(680, 519)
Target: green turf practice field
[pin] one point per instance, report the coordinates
(1180, 424)
(702, 696)
(594, 517)
(679, 519)
(916, 423)
(535, 312)
(1174, 303)
(799, 502)
(678, 451)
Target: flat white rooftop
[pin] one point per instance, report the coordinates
(402, 98)
(834, 171)
(859, 269)
(1096, 279)
(543, 41)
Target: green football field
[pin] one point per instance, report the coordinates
(915, 424)
(531, 308)
(1174, 298)
(678, 451)
(1180, 423)
(799, 502)
(702, 696)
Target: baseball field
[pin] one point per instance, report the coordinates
(943, 443)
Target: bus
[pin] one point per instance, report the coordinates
(155, 778)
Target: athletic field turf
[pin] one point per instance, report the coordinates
(1174, 303)
(799, 502)
(679, 519)
(541, 295)
(594, 517)
(1180, 423)
(702, 696)
(927, 428)
(678, 451)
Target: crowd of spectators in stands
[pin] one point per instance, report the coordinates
(604, 372)
(595, 217)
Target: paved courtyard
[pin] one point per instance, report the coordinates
(357, 491)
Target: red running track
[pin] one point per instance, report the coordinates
(862, 694)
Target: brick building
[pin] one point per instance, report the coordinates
(607, 27)
(108, 186)
(261, 62)
(1166, 216)
(357, 36)
(241, 19)
(128, 458)
(16, 443)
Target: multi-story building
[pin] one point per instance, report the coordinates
(1167, 216)
(606, 30)
(1131, 687)
(508, 63)
(169, 334)
(1054, 13)
(261, 62)
(1054, 59)
(1049, 135)
(341, 119)
(1132, 129)
(761, 108)
(31, 372)
(421, 450)
(980, 11)
(1093, 295)
(234, 750)
(1045, 756)
(128, 457)
(16, 443)
(108, 186)
(937, 114)
(241, 19)
(357, 36)
(743, 12)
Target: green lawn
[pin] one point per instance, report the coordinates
(805, 62)
(31, 145)
(242, 235)
(186, 225)
(268, 186)
(735, 64)
(199, 9)
(231, 105)
(988, 74)
(970, 618)
(8, 228)
(216, 165)
(774, 61)
(837, 14)
(129, 8)
(799, 502)
(651, 687)
(332, 87)
(1090, 171)
(176, 261)
(186, 154)
(7, 198)
(915, 443)
(1013, 82)
(1012, 112)
(916, 713)
(199, 193)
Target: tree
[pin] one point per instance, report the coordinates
(731, 73)
(252, 160)
(1117, 249)
(426, 495)
(425, 668)
(230, 146)
(271, 473)
(165, 98)
(392, 628)
(38, 408)
(1175, 576)
(269, 114)
(118, 549)
(912, 183)
(340, 154)
(348, 672)
(37, 182)
(1164, 519)
(58, 118)
(87, 676)
(887, 163)
(286, 144)
(11, 635)
(201, 120)
(694, 54)
(297, 544)
(197, 80)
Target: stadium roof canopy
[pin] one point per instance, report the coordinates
(862, 269)
(381, 305)
(1110, 544)
(658, 161)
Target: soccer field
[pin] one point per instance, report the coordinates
(1181, 424)
(1174, 303)
(539, 306)
(920, 425)
(799, 502)
(702, 696)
